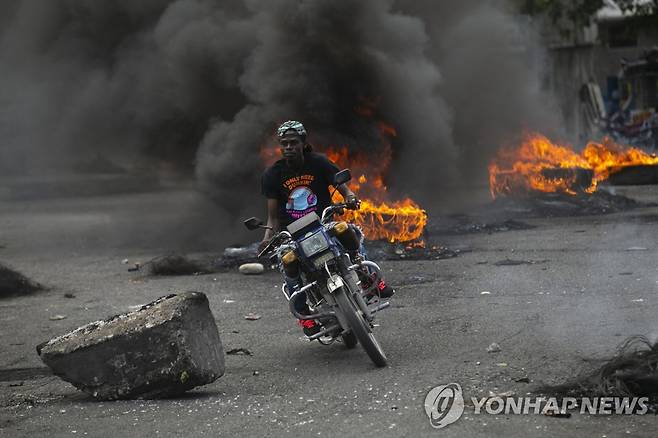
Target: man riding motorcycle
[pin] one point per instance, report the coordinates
(295, 186)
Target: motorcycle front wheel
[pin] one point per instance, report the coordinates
(360, 328)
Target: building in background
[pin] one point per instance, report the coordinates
(605, 74)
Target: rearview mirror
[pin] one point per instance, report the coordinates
(342, 177)
(253, 223)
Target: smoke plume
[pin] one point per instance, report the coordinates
(201, 84)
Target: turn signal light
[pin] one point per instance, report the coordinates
(289, 257)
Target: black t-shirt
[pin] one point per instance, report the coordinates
(300, 191)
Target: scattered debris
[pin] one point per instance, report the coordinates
(123, 357)
(463, 224)
(175, 264)
(251, 269)
(234, 256)
(252, 316)
(632, 372)
(560, 204)
(380, 250)
(57, 317)
(493, 348)
(239, 351)
(510, 262)
(13, 283)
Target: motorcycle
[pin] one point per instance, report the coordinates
(339, 283)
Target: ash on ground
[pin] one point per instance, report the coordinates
(632, 372)
(459, 224)
(13, 283)
(560, 204)
(381, 250)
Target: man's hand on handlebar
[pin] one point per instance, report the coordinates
(352, 202)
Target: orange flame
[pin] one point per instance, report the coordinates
(378, 217)
(541, 165)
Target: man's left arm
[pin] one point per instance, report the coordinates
(330, 169)
(350, 198)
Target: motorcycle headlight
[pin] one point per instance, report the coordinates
(314, 244)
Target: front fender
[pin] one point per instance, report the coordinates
(334, 282)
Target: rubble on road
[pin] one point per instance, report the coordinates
(13, 283)
(632, 372)
(175, 264)
(161, 350)
(561, 204)
(460, 224)
(379, 250)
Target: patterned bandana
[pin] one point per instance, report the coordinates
(295, 126)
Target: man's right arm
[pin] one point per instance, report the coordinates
(272, 221)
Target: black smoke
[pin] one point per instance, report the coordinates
(201, 85)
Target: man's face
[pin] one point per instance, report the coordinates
(292, 146)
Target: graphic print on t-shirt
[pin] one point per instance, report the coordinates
(301, 200)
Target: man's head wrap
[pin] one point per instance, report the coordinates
(294, 126)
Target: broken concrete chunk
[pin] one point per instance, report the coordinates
(251, 269)
(163, 349)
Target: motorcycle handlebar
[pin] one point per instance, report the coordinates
(336, 207)
(274, 238)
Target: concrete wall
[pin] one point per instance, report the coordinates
(570, 67)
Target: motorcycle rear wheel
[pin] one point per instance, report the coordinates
(360, 327)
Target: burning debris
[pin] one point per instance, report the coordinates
(632, 372)
(14, 283)
(539, 165)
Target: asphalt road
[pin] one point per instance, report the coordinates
(588, 283)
